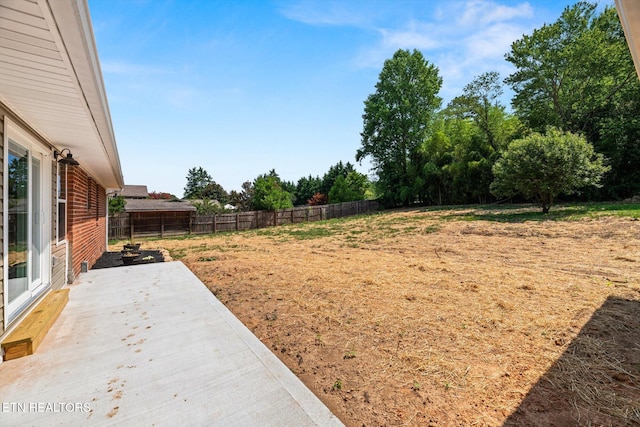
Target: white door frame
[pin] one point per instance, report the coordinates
(22, 138)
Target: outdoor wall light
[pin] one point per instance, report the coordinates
(68, 160)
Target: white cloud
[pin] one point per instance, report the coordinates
(493, 41)
(326, 13)
(482, 12)
(462, 39)
(415, 36)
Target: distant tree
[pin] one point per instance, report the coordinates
(340, 192)
(542, 167)
(289, 187)
(480, 102)
(268, 194)
(116, 205)
(396, 122)
(197, 180)
(161, 196)
(18, 178)
(306, 188)
(329, 178)
(348, 189)
(207, 207)
(242, 200)
(215, 191)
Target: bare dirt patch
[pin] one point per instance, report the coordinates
(418, 318)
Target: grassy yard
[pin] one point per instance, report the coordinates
(478, 315)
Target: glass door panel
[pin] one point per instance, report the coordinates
(36, 227)
(19, 219)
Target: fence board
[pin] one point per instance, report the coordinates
(154, 224)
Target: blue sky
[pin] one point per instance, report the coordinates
(241, 87)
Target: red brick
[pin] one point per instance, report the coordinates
(87, 221)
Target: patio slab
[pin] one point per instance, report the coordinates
(150, 345)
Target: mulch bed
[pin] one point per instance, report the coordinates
(114, 259)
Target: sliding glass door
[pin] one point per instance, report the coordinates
(25, 233)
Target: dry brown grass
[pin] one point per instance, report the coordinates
(417, 318)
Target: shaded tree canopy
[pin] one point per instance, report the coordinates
(306, 188)
(242, 199)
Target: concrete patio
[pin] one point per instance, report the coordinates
(150, 345)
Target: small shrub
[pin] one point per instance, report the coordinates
(318, 199)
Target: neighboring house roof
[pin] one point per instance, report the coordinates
(154, 205)
(134, 192)
(629, 13)
(50, 77)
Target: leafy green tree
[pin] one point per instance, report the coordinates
(396, 122)
(268, 194)
(340, 192)
(477, 128)
(197, 180)
(577, 74)
(215, 191)
(306, 188)
(207, 207)
(480, 103)
(329, 178)
(242, 200)
(542, 167)
(348, 189)
(116, 205)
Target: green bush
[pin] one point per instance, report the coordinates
(542, 167)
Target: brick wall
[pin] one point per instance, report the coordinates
(87, 219)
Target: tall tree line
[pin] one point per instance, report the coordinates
(575, 75)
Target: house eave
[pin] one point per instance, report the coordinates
(50, 78)
(629, 14)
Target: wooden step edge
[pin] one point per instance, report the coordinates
(27, 336)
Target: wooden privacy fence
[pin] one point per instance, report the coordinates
(161, 224)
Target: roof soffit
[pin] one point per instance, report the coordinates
(50, 77)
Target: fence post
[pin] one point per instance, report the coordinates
(237, 221)
(162, 225)
(190, 223)
(275, 218)
(131, 227)
(214, 223)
